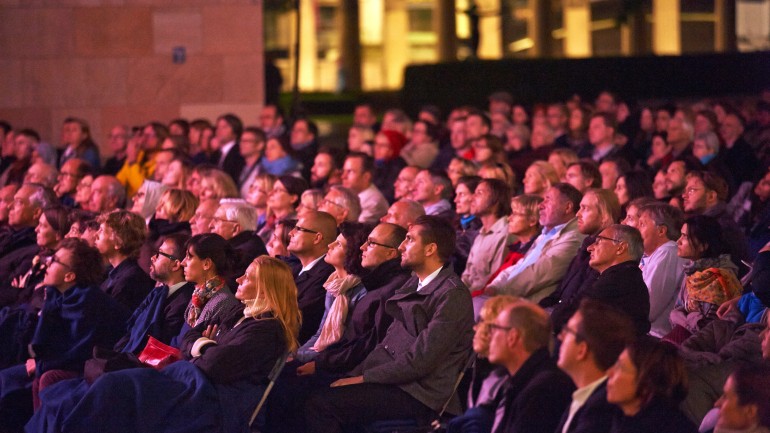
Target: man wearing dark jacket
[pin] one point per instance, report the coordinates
(590, 344)
(309, 241)
(615, 255)
(537, 392)
(411, 372)
(236, 221)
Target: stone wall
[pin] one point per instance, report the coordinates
(110, 62)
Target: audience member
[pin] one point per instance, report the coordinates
(357, 175)
(341, 203)
(235, 220)
(662, 268)
(309, 242)
(647, 383)
(433, 191)
(415, 378)
(491, 205)
(539, 272)
(537, 392)
(590, 344)
(403, 213)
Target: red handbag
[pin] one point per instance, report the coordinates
(158, 355)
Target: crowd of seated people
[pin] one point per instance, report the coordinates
(592, 267)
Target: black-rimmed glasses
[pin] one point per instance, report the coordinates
(369, 242)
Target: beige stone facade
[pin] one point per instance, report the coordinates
(110, 61)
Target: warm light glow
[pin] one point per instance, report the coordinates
(490, 26)
(666, 28)
(577, 27)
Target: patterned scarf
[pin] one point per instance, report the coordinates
(332, 328)
(201, 296)
(713, 286)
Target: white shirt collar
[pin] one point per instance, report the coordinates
(428, 279)
(226, 148)
(311, 264)
(175, 287)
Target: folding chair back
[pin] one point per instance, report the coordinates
(272, 377)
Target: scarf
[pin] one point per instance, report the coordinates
(201, 295)
(332, 328)
(710, 284)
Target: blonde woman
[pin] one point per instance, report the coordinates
(216, 184)
(539, 177)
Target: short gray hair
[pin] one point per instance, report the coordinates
(632, 237)
(42, 196)
(239, 211)
(662, 214)
(711, 140)
(348, 200)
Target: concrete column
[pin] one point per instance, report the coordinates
(395, 42)
(540, 28)
(308, 51)
(666, 27)
(491, 28)
(444, 17)
(577, 28)
(725, 37)
(350, 44)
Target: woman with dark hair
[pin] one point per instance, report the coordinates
(469, 224)
(278, 159)
(76, 136)
(745, 404)
(661, 153)
(632, 185)
(647, 383)
(217, 385)
(710, 277)
(282, 201)
(280, 238)
(208, 261)
(343, 288)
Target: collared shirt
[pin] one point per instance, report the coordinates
(175, 287)
(486, 254)
(225, 150)
(579, 398)
(662, 271)
(601, 153)
(438, 207)
(534, 253)
(428, 279)
(311, 264)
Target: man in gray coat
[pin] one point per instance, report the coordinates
(411, 373)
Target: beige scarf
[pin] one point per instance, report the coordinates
(332, 328)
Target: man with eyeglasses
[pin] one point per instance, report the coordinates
(411, 372)
(615, 255)
(341, 203)
(161, 314)
(590, 344)
(70, 174)
(599, 209)
(236, 221)
(537, 393)
(309, 241)
(364, 328)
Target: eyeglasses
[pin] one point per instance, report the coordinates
(496, 327)
(566, 330)
(222, 220)
(168, 256)
(325, 201)
(54, 259)
(369, 242)
(302, 229)
(600, 237)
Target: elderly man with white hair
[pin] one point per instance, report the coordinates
(236, 221)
